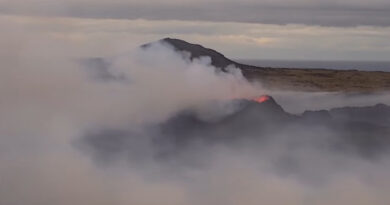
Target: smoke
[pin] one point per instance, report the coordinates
(50, 103)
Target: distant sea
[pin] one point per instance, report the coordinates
(342, 65)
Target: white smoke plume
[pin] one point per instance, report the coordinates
(48, 101)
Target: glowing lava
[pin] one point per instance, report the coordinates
(262, 98)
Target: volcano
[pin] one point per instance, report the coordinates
(363, 131)
(258, 121)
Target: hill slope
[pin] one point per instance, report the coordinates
(293, 79)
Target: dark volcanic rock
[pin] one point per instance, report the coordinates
(378, 114)
(259, 122)
(321, 116)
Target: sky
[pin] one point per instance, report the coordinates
(247, 29)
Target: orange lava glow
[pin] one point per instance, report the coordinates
(262, 98)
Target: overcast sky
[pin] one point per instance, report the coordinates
(262, 29)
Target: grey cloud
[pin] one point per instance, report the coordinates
(329, 13)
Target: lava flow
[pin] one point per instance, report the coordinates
(262, 98)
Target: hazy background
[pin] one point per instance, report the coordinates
(352, 30)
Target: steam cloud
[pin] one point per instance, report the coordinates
(50, 101)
